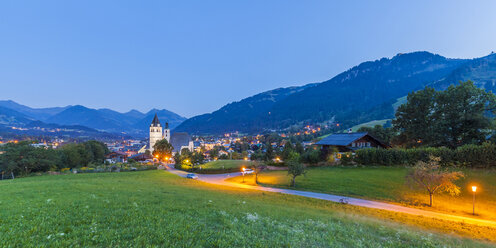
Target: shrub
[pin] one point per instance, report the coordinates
(347, 158)
(468, 155)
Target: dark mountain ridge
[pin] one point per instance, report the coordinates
(363, 93)
(132, 123)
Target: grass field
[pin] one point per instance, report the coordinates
(388, 184)
(155, 208)
(226, 164)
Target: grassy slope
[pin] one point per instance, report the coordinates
(370, 124)
(388, 184)
(155, 208)
(218, 164)
(400, 101)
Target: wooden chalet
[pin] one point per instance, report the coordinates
(348, 142)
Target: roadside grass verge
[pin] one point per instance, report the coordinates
(156, 208)
(388, 184)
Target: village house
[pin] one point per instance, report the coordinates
(348, 142)
(116, 157)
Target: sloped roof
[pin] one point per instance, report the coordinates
(177, 140)
(341, 139)
(155, 122)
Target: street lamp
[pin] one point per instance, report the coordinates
(474, 189)
(243, 174)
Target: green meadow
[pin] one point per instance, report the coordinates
(159, 209)
(388, 184)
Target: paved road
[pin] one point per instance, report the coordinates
(220, 179)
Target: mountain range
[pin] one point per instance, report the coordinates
(363, 93)
(133, 123)
(366, 92)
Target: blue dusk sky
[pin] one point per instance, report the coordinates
(192, 57)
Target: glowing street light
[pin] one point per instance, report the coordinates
(245, 158)
(244, 169)
(474, 189)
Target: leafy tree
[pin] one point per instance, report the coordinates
(295, 169)
(97, 150)
(454, 117)
(269, 153)
(22, 158)
(461, 114)
(258, 155)
(299, 148)
(287, 150)
(75, 155)
(198, 157)
(311, 156)
(236, 156)
(429, 176)
(163, 148)
(414, 119)
(379, 132)
(293, 156)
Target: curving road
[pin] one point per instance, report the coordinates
(220, 179)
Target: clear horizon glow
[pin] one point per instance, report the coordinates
(192, 57)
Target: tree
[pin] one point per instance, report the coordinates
(454, 117)
(269, 153)
(22, 158)
(461, 115)
(163, 148)
(414, 119)
(299, 148)
(97, 150)
(379, 132)
(429, 176)
(311, 156)
(295, 169)
(287, 150)
(198, 157)
(257, 167)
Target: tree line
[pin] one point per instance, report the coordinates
(23, 158)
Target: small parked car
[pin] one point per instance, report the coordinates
(248, 171)
(192, 176)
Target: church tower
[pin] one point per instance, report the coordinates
(155, 132)
(167, 132)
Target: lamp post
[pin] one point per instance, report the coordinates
(243, 174)
(474, 189)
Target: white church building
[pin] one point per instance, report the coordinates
(178, 140)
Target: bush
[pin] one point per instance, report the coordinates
(468, 155)
(347, 158)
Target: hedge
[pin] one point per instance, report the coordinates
(468, 155)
